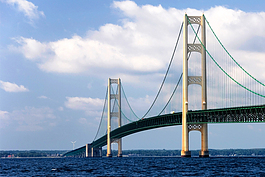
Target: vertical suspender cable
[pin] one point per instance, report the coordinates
(102, 115)
(166, 72)
(179, 78)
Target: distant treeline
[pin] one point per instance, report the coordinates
(213, 152)
(32, 153)
(137, 153)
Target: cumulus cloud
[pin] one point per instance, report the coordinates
(12, 87)
(241, 26)
(82, 103)
(27, 8)
(92, 106)
(87, 122)
(142, 43)
(31, 48)
(77, 55)
(4, 119)
(28, 119)
(43, 97)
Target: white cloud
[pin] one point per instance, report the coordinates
(29, 119)
(4, 119)
(143, 43)
(140, 47)
(77, 55)
(92, 106)
(82, 103)
(31, 48)
(82, 120)
(3, 112)
(237, 25)
(27, 8)
(12, 87)
(43, 97)
(87, 122)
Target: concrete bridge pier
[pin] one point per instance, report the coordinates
(204, 141)
(93, 152)
(119, 148)
(185, 133)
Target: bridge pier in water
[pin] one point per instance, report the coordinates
(188, 80)
(93, 152)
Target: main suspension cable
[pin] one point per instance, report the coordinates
(162, 84)
(219, 65)
(102, 114)
(180, 77)
(128, 102)
(231, 55)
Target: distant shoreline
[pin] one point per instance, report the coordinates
(31, 157)
(257, 152)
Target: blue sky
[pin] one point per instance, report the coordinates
(56, 57)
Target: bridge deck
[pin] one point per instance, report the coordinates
(250, 114)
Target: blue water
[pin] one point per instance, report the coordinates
(133, 166)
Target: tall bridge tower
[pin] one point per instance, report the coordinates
(114, 114)
(200, 80)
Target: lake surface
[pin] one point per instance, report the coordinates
(134, 166)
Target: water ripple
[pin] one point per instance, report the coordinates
(133, 166)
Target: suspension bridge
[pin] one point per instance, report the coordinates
(222, 92)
